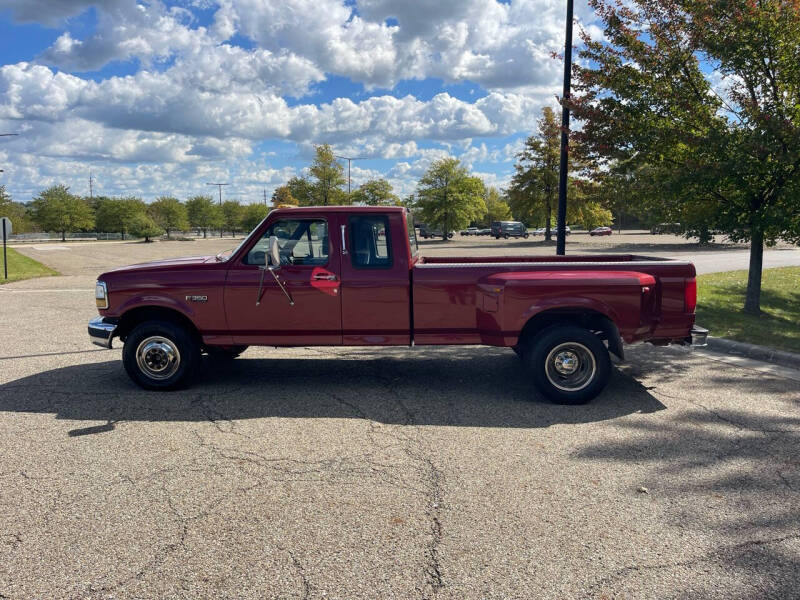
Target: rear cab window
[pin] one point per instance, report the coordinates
(370, 242)
(412, 235)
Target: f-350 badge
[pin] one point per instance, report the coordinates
(197, 298)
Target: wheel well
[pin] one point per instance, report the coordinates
(154, 313)
(592, 320)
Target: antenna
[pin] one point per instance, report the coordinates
(91, 187)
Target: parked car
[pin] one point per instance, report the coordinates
(336, 281)
(507, 229)
(600, 231)
(659, 228)
(484, 232)
(469, 231)
(553, 231)
(426, 233)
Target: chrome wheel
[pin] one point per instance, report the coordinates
(158, 357)
(570, 366)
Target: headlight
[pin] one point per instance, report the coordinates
(101, 294)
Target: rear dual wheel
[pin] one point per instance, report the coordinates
(569, 365)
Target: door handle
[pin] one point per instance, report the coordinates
(344, 242)
(326, 277)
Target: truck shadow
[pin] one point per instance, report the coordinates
(466, 387)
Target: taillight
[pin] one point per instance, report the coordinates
(690, 295)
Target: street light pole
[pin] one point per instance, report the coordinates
(348, 159)
(219, 185)
(563, 167)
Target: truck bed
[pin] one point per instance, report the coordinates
(488, 299)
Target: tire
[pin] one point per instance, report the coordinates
(526, 236)
(505, 237)
(497, 237)
(569, 365)
(159, 355)
(225, 352)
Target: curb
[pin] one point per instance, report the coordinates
(763, 353)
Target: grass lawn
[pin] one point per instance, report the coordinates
(721, 297)
(22, 267)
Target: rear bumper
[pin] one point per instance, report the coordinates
(698, 337)
(101, 331)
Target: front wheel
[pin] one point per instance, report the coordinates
(569, 365)
(526, 235)
(159, 355)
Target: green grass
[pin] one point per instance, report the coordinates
(22, 267)
(719, 308)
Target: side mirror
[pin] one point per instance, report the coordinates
(274, 251)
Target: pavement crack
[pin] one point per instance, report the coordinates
(713, 555)
(302, 574)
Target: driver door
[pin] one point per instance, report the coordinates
(310, 272)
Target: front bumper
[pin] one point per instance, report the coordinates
(101, 331)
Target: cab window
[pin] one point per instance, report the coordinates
(301, 242)
(369, 239)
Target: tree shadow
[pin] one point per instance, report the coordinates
(466, 387)
(726, 475)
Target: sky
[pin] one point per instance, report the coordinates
(158, 98)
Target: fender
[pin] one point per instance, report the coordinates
(161, 301)
(566, 304)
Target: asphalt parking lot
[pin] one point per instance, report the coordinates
(398, 473)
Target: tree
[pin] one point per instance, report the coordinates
(301, 191)
(20, 219)
(115, 214)
(203, 213)
(375, 192)
(704, 94)
(169, 214)
(497, 208)
(55, 209)
(232, 215)
(328, 174)
(282, 196)
(448, 197)
(252, 215)
(142, 225)
(534, 187)
(589, 214)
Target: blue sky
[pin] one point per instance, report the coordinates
(157, 98)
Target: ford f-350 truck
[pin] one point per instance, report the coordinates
(353, 276)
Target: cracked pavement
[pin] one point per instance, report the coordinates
(393, 473)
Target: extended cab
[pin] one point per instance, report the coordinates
(353, 276)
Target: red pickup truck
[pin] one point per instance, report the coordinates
(353, 276)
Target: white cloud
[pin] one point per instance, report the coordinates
(198, 105)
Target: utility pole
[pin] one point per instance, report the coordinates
(265, 196)
(562, 173)
(349, 159)
(219, 185)
(91, 188)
